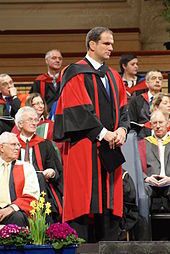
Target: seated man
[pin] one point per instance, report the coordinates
(139, 106)
(9, 103)
(42, 155)
(155, 158)
(16, 192)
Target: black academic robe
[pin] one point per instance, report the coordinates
(8, 124)
(139, 112)
(44, 156)
(84, 108)
(43, 85)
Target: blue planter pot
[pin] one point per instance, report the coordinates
(37, 249)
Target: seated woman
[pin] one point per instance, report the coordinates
(161, 101)
(45, 126)
(134, 83)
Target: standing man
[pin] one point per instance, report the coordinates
(139, 106)
(9, 103)
(92, 117)
(18, 183)
(48, 84)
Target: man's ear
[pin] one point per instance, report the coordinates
(46, 61)
(20, 124)
(1, 148)
(92, 45)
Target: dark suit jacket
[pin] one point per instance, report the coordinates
(7, 125)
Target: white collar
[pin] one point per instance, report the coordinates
(25, 138)
(54, 76)
(95, 64)
(150, 95)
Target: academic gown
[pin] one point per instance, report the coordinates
(139, 113)
(44, 156)
(7, 125)
(84, 108)
(43, 85)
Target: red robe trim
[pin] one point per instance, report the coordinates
(22, 201)
(142, 152)
(139, 86)
(145, 96)
(45, 78)
(34, 140)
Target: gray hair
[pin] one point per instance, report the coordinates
(164, 113)
(5, 136)
(3, 75)
(149, 72)
(95, 35)
(48, 54)
(20, 113)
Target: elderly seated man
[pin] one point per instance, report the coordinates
(155, 157)
(42, 155)
(18, 183)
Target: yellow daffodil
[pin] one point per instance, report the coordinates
(33, 204)
(43, 193)
(47, 211)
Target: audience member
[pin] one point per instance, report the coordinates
(139, 106)
(155, 157)
(48, 84)
(45, 126)
(92, 116)
(42, 155)
(134, 83)
(160, 101)
(18, 181)
(9, 103)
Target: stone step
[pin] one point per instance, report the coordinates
(88, 248)
(140, 247)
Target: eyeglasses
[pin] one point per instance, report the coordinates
(13, 145)
(5, 84)
(154, 124)
(155, 77)
(31, 120)
(38, 103)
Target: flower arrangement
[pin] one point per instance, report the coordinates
(39, 232)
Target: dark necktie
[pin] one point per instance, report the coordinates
(150, 103)
(7, 103)
(54, 82)
(27, 156)
(107, 85)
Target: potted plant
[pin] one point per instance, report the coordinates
(56, 238)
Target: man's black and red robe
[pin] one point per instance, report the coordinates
(84, 108)
(44, 85)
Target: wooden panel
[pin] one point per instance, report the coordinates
(35, 64)
(70, 41)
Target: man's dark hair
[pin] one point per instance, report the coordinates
(124, 59)
(95, 34)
